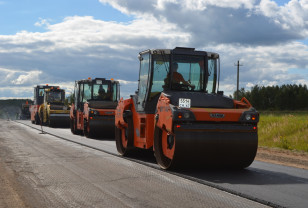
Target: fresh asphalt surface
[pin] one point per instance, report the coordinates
(269, 184)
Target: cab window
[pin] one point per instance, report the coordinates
(115, 91)
(188, 71)
(102, 92)
(41, 92)
(86, 92)
(160, 74)
(143, 79)
(212, 73)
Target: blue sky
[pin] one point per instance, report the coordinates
(281, 2)
(16, 15)
(58, 42)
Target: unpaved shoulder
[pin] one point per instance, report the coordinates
(283, 157)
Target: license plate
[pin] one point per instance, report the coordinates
(184, 103)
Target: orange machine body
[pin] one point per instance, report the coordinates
(93, 111)
(186, 123)
(143, 124)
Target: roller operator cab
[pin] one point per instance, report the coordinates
(178, 112)
(53, 111)
(93, 110)
(38, 99)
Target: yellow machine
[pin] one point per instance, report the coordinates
(53, 111)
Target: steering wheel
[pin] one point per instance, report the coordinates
(179, 86)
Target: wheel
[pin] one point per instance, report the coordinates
(125, 138)
(42, 118)
(86, 129)
(73, 126)
(37, 120)
(164, 145)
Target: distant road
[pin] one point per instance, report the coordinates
(266, 183)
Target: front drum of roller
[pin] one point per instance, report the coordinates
(204, 149)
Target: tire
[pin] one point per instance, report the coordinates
(73, 126)
(86, 130)
(37, 119)
(42, 118)
(125, 138)
(162, 160)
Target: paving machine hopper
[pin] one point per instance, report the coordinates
(93, 110)
(179, 113)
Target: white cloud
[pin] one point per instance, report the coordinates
(253, 22)
(16, 92)
(262, 65)
(292, 16)
(18, 77)
(202, 4)
(269, 8)
(80, 47)
(42, 22)
(260, 33)
(136, 7)
(79, 33)
(27, 78)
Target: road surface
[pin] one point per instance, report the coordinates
(53, 171)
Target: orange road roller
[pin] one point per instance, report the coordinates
(180, 114)
(93, 110)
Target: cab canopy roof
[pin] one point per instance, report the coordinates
(180, 50)
(90, 80)
(45, 86)
(54, 89)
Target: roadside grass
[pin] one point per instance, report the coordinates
(286, 130)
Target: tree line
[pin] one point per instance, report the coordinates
(9, 108)
(278, 98)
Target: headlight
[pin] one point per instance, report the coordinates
(186, 115)
(93, 113)
(248, 117)
(183, 115)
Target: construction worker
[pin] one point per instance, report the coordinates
(101, 93)
(177, 78)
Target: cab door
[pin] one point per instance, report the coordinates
(143, 81)
(79, 113)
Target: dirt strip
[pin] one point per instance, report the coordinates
(283, 157)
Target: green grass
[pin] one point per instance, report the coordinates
(286, 130)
